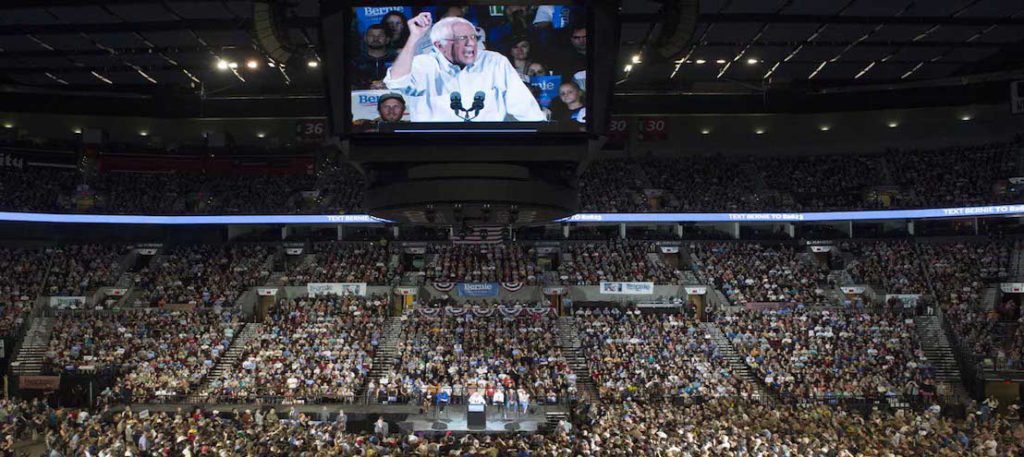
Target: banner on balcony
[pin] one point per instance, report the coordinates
(669, 249)
(555, 290)
(696, 290)
(853, 290)
(66, 302)
(515, 286)
(486, 311)
(820, 249)
(293, 251)
(48, 383)
(117, 292)
(336, 288)
(266, 291)
(908, 300)
(1012, 287)
(478, 289)
(444, 286)
(627, 288)
(405, 290)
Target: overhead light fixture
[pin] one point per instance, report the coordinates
(261, 135)
(628, 68)
(143, 133)
(313, 64)
(893, 124)
(232, 65)
(222, 64)
(759, 131)
(752, 61)
(701, 61)
(252, 64)
(76, 131)
(636, 58)
(8, 125)
(966, 117)
(825, 128)
(720, 61)
(705, 131)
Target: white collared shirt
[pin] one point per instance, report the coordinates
(428, 87)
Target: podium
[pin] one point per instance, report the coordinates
(476, 417)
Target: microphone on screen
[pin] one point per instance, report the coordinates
(457, 103)
(478, 103)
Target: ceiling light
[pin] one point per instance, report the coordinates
(752, 61)
(705, 131)
(8, 125)
(313, 64)
(261, 135)
(966, 117)
(252, 64)
(636, 58)
(628, 68)
(232, 65)
(143, 133)
(759, 131)
(701, 61)
(222, 65)
(720, 61)
(76, 131)
(893, 124)
(825, 128)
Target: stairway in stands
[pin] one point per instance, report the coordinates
(387, 355)
(939, 351)
(569, 341)
(227, 363)
(29, 360)
(737, 365)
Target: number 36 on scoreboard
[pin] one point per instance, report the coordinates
(311, 129)
(653, 129)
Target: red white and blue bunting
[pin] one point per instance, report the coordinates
(514, 286)
(444, 286)
(486, 311)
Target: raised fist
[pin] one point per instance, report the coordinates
(419, 25)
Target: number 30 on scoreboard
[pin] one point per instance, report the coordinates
(653, 129)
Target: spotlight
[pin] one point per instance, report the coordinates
(232, 65)
(893, 124)
(261, 135)
(76, 131)
(966, 117)
(143, 133)
(222, 65)
(720, 61)
(705, 131)
(752, 61)
(701, 61)
(252, 64)
(8, 125)
(636, 59)
(313, 64)
(628, 68)
(759, 131)
(825, 128)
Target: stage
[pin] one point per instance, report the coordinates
(456, 419)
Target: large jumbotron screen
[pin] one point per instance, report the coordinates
(485, 68)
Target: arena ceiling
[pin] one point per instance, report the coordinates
(142, 46)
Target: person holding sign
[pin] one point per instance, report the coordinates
(457, 68)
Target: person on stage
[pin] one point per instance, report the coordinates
(458, 64)
(498, 400)
(442, 400)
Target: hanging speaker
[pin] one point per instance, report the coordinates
(264, 15)
(670, 36)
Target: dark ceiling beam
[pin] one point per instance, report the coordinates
(179, 50)
(830, 19)
(150, 26)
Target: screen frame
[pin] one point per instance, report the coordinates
(341, 15)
